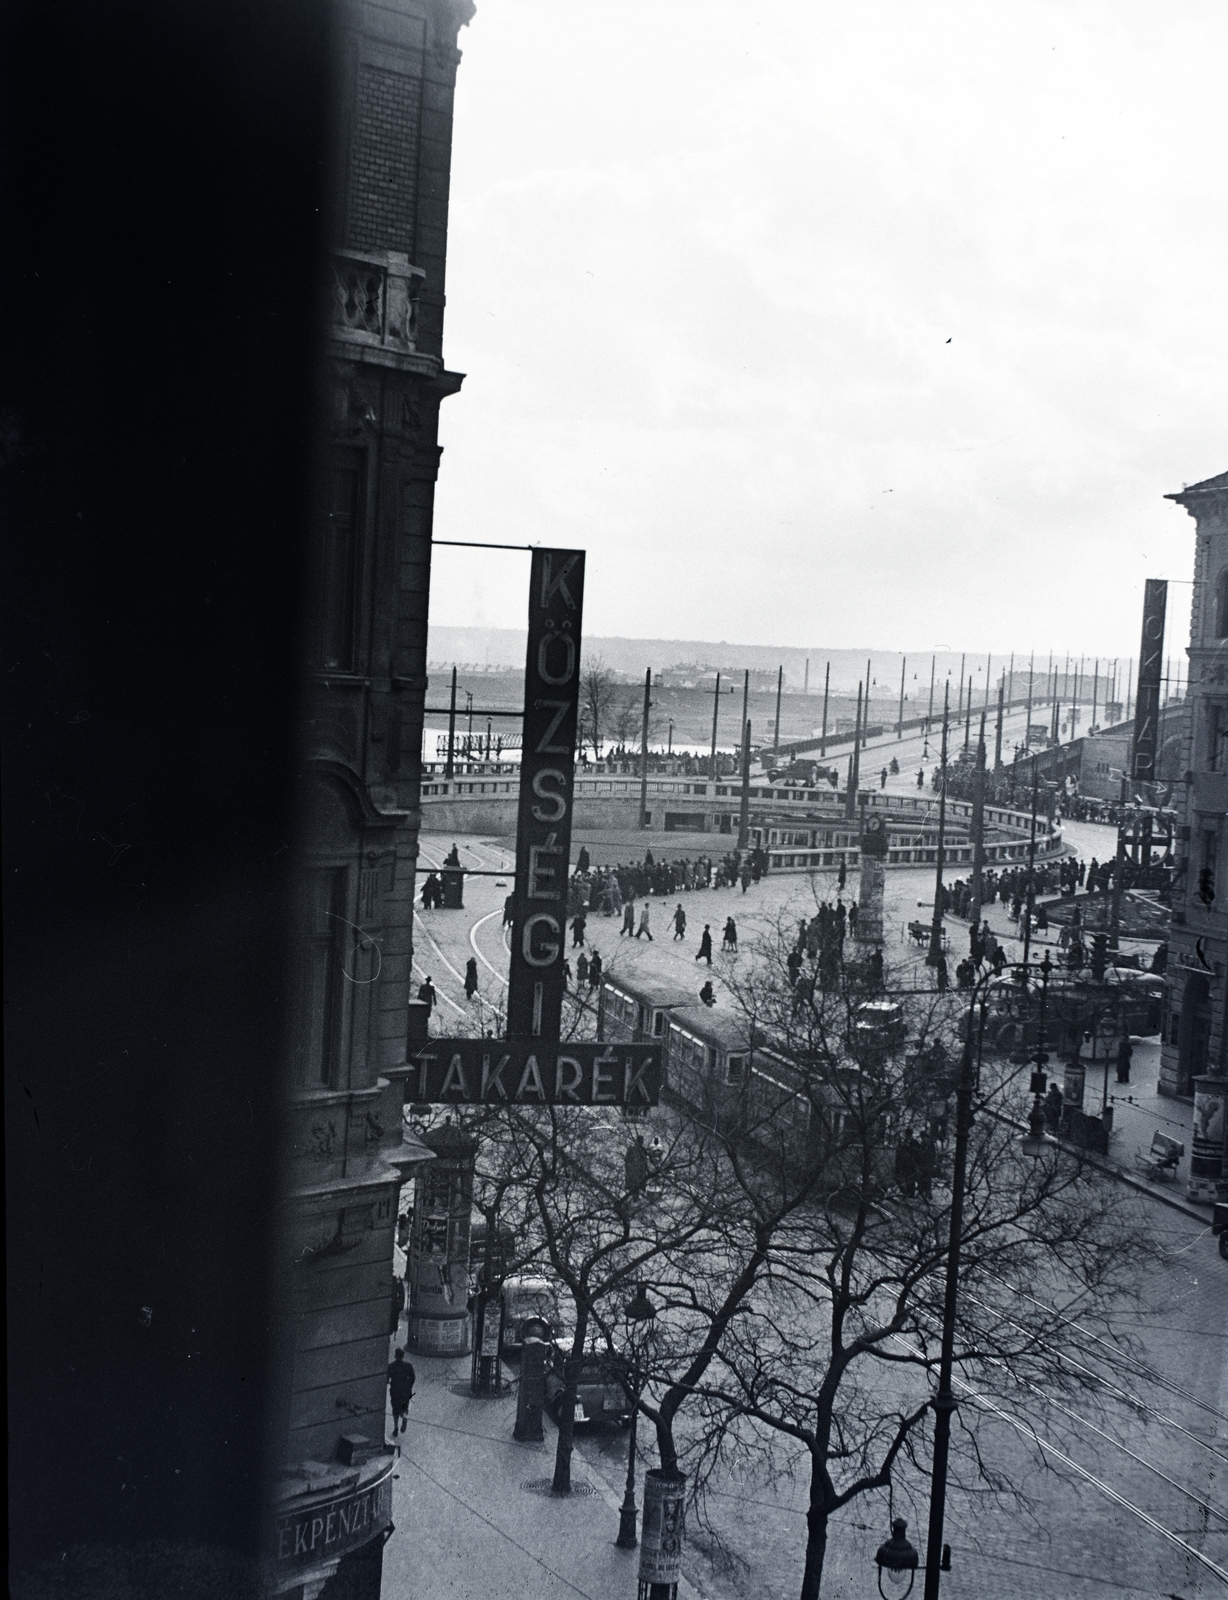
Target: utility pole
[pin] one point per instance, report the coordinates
(1030, 900)
(1129, 684)
(716, 706)
(865, 732)
(780, 683)
(936, 925)
(1091, 726)
(850, 799)
(806, 680)
(1031, 670)
(968, 717)
(644, 749)
(1010, 682)
(450, 768)
(744, 811)
(997, 751)
(978, 829)
(745, 696)
(929, 715)
(826, 687)
(899, 727)
(988, 675)
(1119, 870)
(959, 707)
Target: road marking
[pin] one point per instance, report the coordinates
(474, 942)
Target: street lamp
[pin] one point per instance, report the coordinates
(1034, 1143)
(897, 1558)
(639, 1314)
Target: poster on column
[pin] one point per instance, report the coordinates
(536, 980)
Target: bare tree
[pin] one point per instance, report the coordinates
(599, 696)
(840, 1350)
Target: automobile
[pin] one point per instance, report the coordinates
(603, 1392)
(528, 1299)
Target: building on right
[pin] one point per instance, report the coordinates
(1194, 1053)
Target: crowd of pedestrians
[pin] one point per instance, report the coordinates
(606, 891)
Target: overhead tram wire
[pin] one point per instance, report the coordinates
(1091, 1427)
(1123, 1394)
(1046, 1445)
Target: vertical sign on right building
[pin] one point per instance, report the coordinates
(1150, 673)
(536, 980)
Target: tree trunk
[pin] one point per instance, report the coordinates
(816, 1549)
(567, 1430)
(666, 1448)
(567, 1411)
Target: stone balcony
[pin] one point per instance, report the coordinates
(373, 305)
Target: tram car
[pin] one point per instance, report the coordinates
(721, 1068)
(635, 1010)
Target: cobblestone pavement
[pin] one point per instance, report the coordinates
(1112, 1523)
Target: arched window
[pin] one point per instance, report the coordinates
(1221, 605)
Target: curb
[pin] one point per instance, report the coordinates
(1177, 1202)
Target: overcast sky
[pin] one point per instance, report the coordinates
(859, 324)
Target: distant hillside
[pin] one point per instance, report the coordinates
(504, 647)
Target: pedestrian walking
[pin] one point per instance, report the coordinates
(729, 940)
(628, 919)
(794, 963)
(746, 875)
(944, 982)
(853, 918)
(1125, 1053)
(882, 779)
(679, 923)
(471, 977)
(705, 945)
(594, 970)
(508, 907)
(401, 1380)
(643, 928)
(581, 969)
(426, 991)
(842, 876)
(578, 924)
(582, 861)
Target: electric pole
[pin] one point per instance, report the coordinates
(936, 925)
(644, 749)
(899, 727)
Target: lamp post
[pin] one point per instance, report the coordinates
(1033, 1143)
(639, 1314)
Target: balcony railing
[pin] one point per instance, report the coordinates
(375, 299)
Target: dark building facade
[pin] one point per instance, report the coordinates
(1195, 1041)
(365, 643)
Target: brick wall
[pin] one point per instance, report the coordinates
(382, 187)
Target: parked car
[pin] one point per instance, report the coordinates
(526, 1299)
(603, 1392)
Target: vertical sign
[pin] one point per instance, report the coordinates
(547, 784)
(1150, 668)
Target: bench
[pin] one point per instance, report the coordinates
(919, 933)
(1160, 1162)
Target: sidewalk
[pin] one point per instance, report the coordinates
(1139, 1111)
(467, 1528)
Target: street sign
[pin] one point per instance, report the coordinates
(530, 1072)
(536, 980)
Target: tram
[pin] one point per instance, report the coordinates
(722, 1068)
